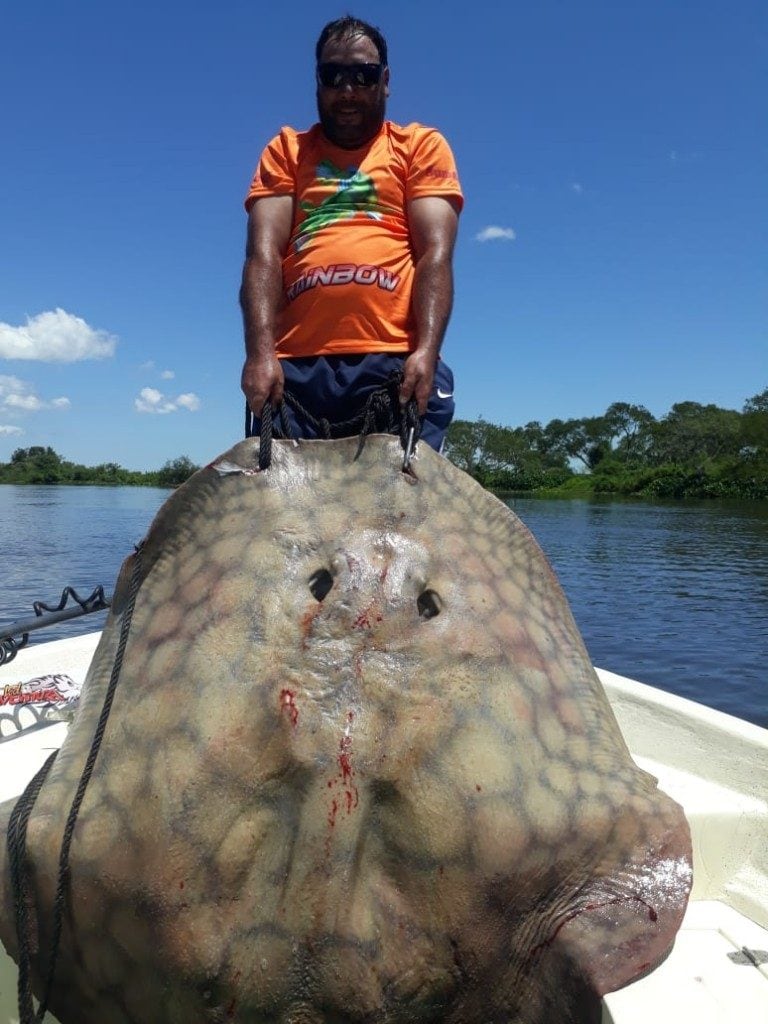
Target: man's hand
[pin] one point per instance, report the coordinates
(418, 376)
(262, 380)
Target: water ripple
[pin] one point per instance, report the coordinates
(673, 594)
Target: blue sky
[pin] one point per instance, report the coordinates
(620, 150)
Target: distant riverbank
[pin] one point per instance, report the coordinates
(740, 479)
(38, 465)
(742, 482)
(744, 477)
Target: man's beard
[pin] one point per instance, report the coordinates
(359, 131)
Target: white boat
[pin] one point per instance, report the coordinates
(714, 765)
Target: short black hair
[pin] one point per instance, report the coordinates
(348, 26)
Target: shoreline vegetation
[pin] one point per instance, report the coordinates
(38, 465)
(695, 451)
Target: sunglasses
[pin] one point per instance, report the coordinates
(335, 76)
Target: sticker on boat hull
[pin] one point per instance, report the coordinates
(36, 702)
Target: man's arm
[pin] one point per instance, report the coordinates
(433, 221)
(261, 298)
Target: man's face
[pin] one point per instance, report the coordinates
(352, 114)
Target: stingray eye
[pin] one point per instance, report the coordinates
(429, 604)
(320, 582)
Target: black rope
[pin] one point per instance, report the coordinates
(382, 413)
(17, 835)
(265, 441)
(248, 421)
(23, 899)
(285, 424)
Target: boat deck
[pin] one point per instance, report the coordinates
(717, 973)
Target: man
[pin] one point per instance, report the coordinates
(351, 229)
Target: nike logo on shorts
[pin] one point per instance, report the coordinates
(444, 394)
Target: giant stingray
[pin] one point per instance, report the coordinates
(358, 768)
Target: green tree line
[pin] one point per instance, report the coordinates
(39, 465)
(694, 451)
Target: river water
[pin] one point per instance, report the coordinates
(675, 595)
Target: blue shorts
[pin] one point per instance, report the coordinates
(336, 388)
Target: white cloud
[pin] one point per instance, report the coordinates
(17, 396)
(27, 403)
(189, 401)
(493, 232)
(11, 385)
(577, 188)
(55, 337)
(167, 375)
(5, 429)
(151, 400)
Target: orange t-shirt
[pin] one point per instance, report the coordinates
(348, 270)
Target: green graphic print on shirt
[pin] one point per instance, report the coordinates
(355, 193)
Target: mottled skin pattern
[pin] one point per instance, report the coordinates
(334, 805)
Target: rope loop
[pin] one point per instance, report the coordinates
(381, 414)
(265, 441)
